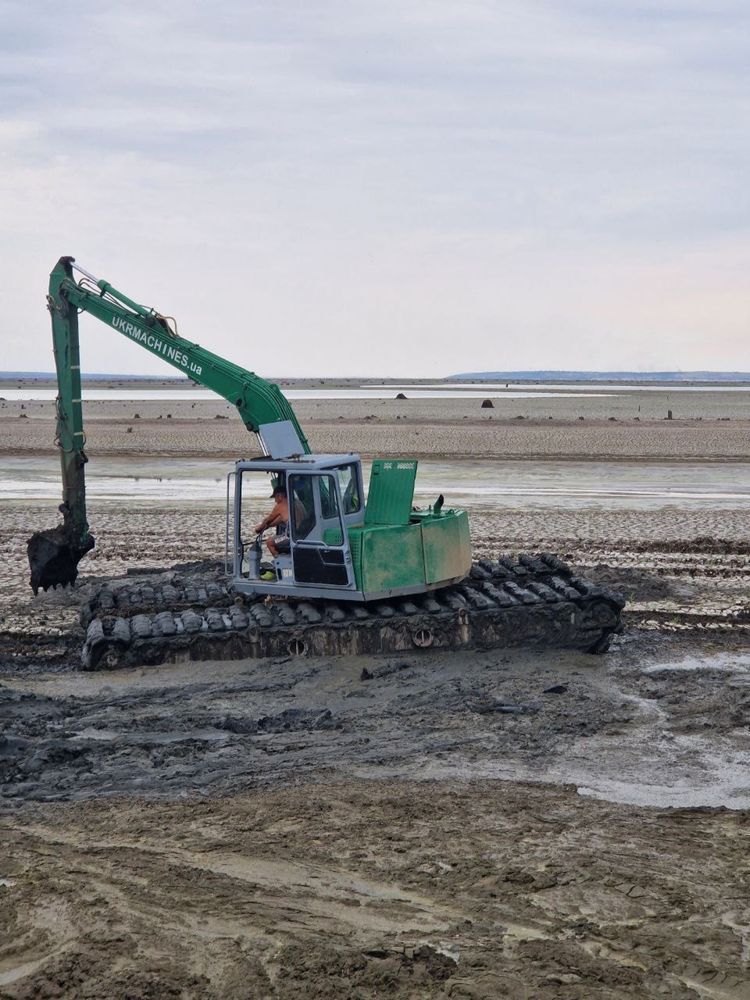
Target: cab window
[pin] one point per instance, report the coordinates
(301, 506)
(349, 488)
(329, 505)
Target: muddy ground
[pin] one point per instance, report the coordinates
(372, 889)
(535, 824)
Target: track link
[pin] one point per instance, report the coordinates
(528, 600)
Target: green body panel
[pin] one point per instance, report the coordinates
(447, 546)
(391, 492)
(391, 558)
(431, 550)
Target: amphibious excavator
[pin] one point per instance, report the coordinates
(358, 572)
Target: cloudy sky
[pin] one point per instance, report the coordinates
(398, 187)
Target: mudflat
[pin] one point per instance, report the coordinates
(705, 424)
(522, 824)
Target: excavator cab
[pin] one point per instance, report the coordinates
(336, 545)
(313, 555)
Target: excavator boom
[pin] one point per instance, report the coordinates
(54, 554)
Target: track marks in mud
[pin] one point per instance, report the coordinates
(378, 889)
(275, 721)
(624, 727)
(294, 892)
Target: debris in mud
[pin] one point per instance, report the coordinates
(387, 670)
(487, 706)
(290, 720)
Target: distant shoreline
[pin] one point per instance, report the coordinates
(572, 379)
(605, 377)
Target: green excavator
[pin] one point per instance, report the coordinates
(345, 558)
(338, 546)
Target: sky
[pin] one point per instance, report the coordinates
(390, 187)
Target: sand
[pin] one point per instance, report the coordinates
(705, 425)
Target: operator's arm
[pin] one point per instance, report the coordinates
(276, 516)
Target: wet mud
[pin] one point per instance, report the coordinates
(375, 889)
(437, 824)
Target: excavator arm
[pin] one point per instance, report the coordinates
(54, 554)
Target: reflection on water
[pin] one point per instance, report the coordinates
(508, 484)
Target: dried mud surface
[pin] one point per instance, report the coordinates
(375, 889)
(707, 425)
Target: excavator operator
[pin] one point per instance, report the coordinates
(278, 518)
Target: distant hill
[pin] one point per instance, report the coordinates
(572, 376)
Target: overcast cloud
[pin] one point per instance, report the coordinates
(384, 188)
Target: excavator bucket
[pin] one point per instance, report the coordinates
(54, 557)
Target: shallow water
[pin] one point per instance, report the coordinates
(584, 388)
(508, 484)
(377, 392)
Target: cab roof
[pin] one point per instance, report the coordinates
(308, 462)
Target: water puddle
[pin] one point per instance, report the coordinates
(465, 483)
(738, 663)
(15, 972)
(376, 392)
(154, 738)
(689, 772)
(677, 773)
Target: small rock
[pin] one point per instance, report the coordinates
(556, 689)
